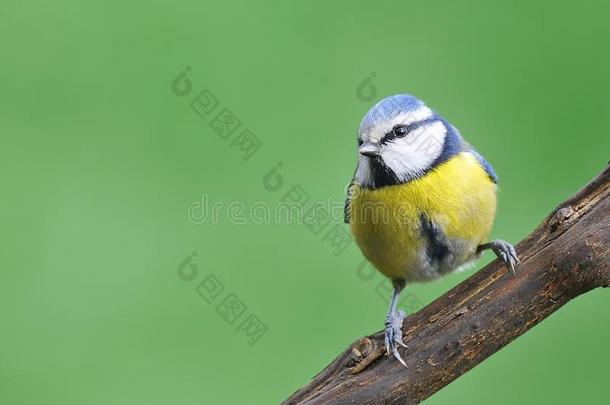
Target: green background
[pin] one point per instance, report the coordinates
(99, 161)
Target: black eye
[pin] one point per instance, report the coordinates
(400, 130)
(360, 142)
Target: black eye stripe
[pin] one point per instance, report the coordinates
(390, 136)
(399, 131)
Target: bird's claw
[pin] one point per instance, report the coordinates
(393, 335)
(506, 252)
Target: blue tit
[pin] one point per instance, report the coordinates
(421, 202)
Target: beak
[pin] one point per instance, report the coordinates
(369, 149)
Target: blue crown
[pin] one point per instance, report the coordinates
(390, 107)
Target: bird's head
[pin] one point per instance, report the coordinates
(400, 139)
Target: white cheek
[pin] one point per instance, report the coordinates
(410, 156)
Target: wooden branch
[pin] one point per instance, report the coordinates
(567, 255)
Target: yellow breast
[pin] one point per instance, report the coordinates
(458, 196)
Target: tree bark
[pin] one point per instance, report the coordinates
(566, 256)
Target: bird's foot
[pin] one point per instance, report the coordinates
(506, 252)
(393, 335)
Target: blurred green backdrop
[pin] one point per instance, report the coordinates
(100, 160)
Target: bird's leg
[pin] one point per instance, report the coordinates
(393, 324)
(504, 250)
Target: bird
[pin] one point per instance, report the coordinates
(421, 202)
